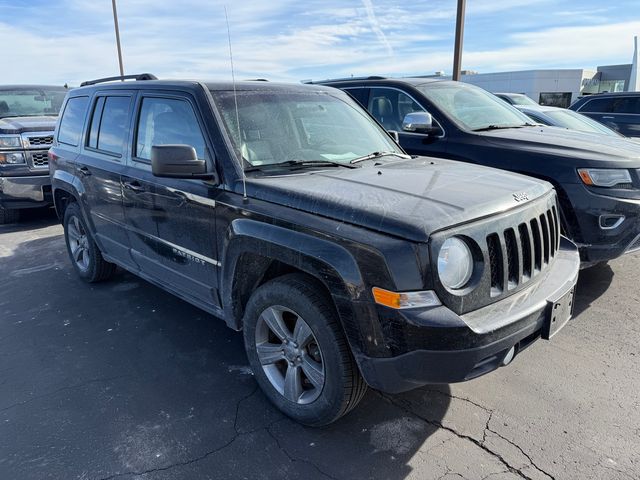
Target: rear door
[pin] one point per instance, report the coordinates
(171, 222)
(99, 167)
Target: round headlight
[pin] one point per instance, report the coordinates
(455, 263)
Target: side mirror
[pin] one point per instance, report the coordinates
(418, 122)
(177, 161)
(394, 135)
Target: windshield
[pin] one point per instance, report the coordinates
(576, 121)
(31, 102)
(278, 126)
(471, 107)
(519, 99)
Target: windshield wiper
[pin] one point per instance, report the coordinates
(378, 155)
(500, 127)
(298, 163)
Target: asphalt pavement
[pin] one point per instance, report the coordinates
(122, 380)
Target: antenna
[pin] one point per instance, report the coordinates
(235, 99)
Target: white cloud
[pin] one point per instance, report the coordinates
(290, 40)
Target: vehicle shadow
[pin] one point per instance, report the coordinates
(30, 219)
(592, 283)
(123, 378)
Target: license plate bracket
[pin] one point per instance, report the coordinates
(558, 313)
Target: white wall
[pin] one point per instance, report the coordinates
(532, 82)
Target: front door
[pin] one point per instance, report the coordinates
(172, 221)
(389, 106)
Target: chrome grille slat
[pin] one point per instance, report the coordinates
(513, 258)
(545, 237)
(527, 251)
(496, 264)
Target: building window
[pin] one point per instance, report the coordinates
(555, 99)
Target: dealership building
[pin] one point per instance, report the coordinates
(559, 87)
(555, 87)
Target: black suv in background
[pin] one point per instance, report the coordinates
(287, 211)
(27, 119)
(597, 178)
(619, 111)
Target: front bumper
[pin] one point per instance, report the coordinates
(598, 244)
(25, 192)
(442, 347)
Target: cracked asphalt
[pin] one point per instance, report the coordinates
(121, 380)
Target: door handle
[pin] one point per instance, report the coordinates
(134, 186)
(606, 117)
(85, 171)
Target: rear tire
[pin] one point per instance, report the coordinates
(298, 352)
(9, 216)
(84, 254)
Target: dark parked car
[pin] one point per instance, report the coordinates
(516, 99)
(619, 111)
(27, 119)
(565, 118)
(344, 260)
(597, 178)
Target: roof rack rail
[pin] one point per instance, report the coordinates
(370, 77)
(140, 76)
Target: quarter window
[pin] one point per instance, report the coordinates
(72, 121)
(167, 121)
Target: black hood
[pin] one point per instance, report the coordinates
(411, 199)
(592, 150)
(10, 125)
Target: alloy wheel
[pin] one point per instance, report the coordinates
(290, 354)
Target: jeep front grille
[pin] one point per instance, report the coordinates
(512, 250)
(514, 258)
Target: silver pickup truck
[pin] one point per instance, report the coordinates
(28, 115)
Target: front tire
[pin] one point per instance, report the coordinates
(298, 352)
(84, 254)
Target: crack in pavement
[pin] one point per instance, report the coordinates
(293, 459)
(479, 443)
(62, 389)
(487, 429)
(199, 458)
(237, 435)
(519, 448)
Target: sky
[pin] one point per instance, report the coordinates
(68, 41)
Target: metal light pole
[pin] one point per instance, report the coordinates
(115, 22)
(457, 49)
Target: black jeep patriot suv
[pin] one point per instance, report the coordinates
(27, 119)
(287, 211)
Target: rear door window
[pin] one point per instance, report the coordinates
(72, 121)
(598, 105)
